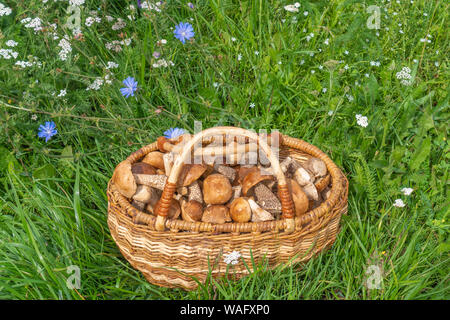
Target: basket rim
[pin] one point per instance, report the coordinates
(337, 188)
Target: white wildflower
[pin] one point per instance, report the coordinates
(232, 258)
(326, 41)
(4, 10)
(291, 8)
(66, 48)
(112, 65)
(305, 13)
(120, 24)
(62, 93)
(35, 24)
(252, 105)
(95, 85)
(8, 54)
(162, 63)
(239, 57)
(399, 203)
(11, 43)
(76, 2)
(407, 191)
(361, 120)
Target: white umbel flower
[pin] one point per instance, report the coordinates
(407, 191)
(232, 258)
(362, 120)
(11, 43)
(291, 8)
(399, 203)
(4, 10)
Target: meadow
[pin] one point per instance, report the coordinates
(365, 81)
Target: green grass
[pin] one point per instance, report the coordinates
(53, 202)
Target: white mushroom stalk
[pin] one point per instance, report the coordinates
(258, 213)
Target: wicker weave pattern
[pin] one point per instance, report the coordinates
(171, 258)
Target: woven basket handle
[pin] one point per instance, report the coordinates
(287, 205)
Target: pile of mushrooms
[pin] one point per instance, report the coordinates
(219, 193)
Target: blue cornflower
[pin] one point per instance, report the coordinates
(47, 131)
(130, 87)
(174, 132)
(139, 3)
(184, 31)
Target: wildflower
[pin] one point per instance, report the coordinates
(11, 43)
(361, 120)
(346, 67)
(184, 31)
(305, 13)
(256, 53)
(4, 10)
(111, 65)
(76, 2)
(95, 85)
(302, 62)
(346, 52)
(239, 57)
(190, 5)
(399, 203)
(320, 67)
(324, 90)
(326, 41)
(162, 63)
(47, 131)
(156, 54)
(34, 117)
(161, 42)
(120, 24)
(407, 191)
(130, 87)
(8, 54)
(62, 93)
(330, 113)
(349, 97)
(215, 84)
(174, 132)
(232, 258)
(291, 8)
(65, 48)
(252, 105)
(35, 24)
(233, 39)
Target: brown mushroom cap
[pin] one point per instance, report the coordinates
(191, 172)
(174, 210)
(252, 179)
(191, 210)
(240, 210)
(155, 159)
(242, 171)
(301, 202)
(216, 213)
(124, 180)
(216, 189)
(142, 168)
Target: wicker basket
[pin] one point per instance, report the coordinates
(177, 253)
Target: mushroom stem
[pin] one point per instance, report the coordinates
(157, 181)
(259, 214)
(168, 162)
